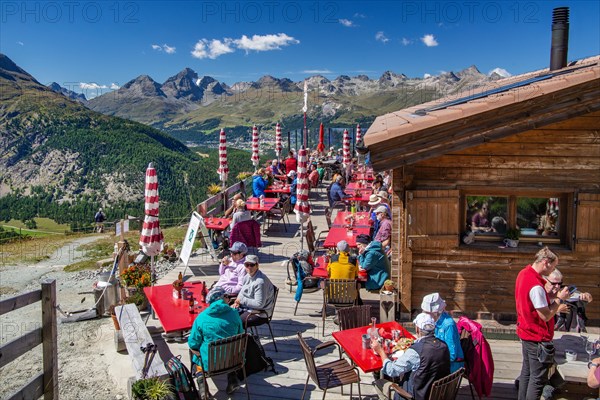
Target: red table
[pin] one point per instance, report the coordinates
(364, 196)
(352, 186)
(320, 270)
(217, 224)
(351, 342)
(174, 313)
(253, 204)
(337, 234)
(363, 177)
(286, 189)
(361, 220)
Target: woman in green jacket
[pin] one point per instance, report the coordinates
(372, 258)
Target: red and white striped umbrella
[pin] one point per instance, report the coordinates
(151, 238)
(302, 209)
(223, 169)
(358, 133)
(278, 146)
(346, 148)
(255, 158)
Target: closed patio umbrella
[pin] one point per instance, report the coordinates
(255, 158)
(321, 145)
(302, 209)
(223, 169)
(278, 146)
(346, 149)
(151, 239)
(358, 133)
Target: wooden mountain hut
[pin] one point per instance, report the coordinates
(467, 171)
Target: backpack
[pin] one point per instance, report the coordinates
(256, 359)
(181, 379)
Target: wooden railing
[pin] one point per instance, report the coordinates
(217, 204)
(46, 382)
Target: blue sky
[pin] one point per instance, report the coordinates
(84, 45)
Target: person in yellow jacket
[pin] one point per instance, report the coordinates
(342, 265)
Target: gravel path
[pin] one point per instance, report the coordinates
(85, 348)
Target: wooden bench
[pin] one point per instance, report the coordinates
(135, 335)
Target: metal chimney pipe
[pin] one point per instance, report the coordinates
(560, 38)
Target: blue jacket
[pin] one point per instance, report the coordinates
(446, 330)
(259, 184)
(218, 321)
(336, 193)
(293, 191)
(377, 265)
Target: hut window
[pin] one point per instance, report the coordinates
(538, 216)
(487, 215)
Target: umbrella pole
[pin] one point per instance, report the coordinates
(152, 275)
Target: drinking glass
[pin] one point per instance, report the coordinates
(590, 348)
(373, 331)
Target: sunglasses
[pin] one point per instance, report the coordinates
(249, 265)
(236, 252)
(554, 283)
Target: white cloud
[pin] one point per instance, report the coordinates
(426, 75)
(317, 71)
(359, 15)
(168, 49)
(500, 71)
(429, 40)
(405, 41)
(156, 47)
(346, 22)
(20, 43)
(264, 42)
(114, 86)
(91, 86)
(214, 48)
(380, 36)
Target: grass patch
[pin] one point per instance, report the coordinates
(30, 232)
(81, 265)
(34, 250)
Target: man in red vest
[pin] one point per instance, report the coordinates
(535, 322)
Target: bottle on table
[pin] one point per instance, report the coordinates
(180, 276)
(191, 304)
(204, 292)
(372, 331)
(262, 200)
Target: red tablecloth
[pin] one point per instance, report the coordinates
(320, 270)
(362, 219)
(217, 224)
(363, 177)
(253, 204)
(337, 234)
(364, 196)
(174, 313)
(352, 186)
(351, 342)
(279, 189)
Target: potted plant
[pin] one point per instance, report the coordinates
(152, 389)
(139, 299)
(213, 189)
(512, 237)
(243, 175)
(389, 285)
(136, 276)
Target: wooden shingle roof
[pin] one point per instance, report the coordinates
(507, 107)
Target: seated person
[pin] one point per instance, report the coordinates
(547, 225)
(342, 265)
(593, 378)
(259, 183)
(384, 232)
(499, 224)
(372, 259)
(291, 164)
(313, 177)
(218, 321)
(240, 214)
(337, 192)
(445, 328)
(480, 221)
(232, 209)
(423, 363)
(576, 304)
(275, 168)
(257, 293)
(321, 171)
(232, 269)
(293, 185)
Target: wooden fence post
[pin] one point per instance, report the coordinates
(49, 339)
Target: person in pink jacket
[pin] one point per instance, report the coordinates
(232, 269)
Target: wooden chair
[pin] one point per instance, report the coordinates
(313, 242)
(225, 356)
(328, 212)
(354, 317)
(330, 375)
(278, 213)
(443, 389)
(338, 293)
(264, 318)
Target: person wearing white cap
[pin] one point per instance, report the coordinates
(342, 265)
(257, 293)
(445, 328)
(384, 232)
(426, 361)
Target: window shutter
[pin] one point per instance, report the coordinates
(433, 218)
(587, 229)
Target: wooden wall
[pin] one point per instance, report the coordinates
(480, 278)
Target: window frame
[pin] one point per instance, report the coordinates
(566, 200)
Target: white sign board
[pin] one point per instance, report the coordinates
(190, 237)
(123, 223)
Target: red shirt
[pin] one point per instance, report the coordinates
(291, 164)
(530, 326)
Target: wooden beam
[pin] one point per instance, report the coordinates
(22, 300)
(34, 389)
(19, 346)
(49, 340)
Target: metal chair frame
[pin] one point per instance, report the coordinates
(264, 314)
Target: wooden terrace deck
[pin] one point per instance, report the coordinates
(289, 383)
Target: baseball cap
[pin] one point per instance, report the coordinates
(424, 322)
(251, 259)
(343, 246)
(381, 209)
(433, 303)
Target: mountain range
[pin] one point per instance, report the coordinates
(189, 106)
